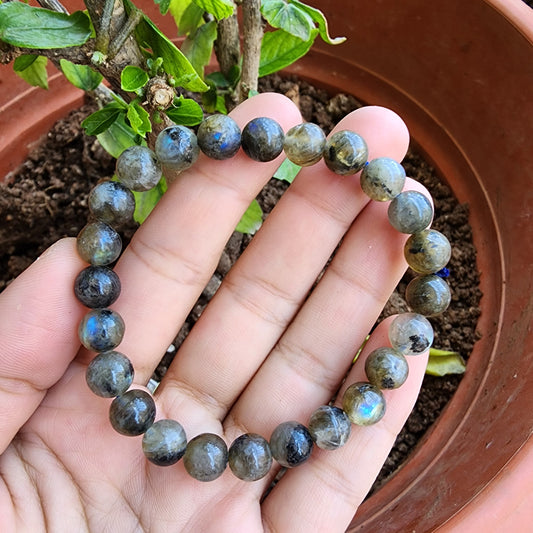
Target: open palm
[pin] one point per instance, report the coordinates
(263, 352)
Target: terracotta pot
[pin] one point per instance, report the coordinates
(461, 75)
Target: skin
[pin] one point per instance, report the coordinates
(263, 352)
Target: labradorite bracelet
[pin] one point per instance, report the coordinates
(110, 374)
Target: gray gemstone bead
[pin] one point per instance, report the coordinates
(112, 203)
(138, 168)
(164, 442)
(132, 413)
(345, 152)
(382, 179)
(330, 427)
(410, 212)
(427, 251)
(291, 444)
(411, 334)
(99, 244)
(101, 330)
(262, 139)
(250, 457)
(109, 374)
(428, 295)
(219, 137)
(304, 144)
(386, 368)
(363, 403)
(206, 457)
(177, 147)
(97, 287)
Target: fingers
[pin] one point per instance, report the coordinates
(39, 318)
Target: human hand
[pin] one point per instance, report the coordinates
(263, 352)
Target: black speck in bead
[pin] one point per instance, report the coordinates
(363, 403)
(177, 147)
(250, 457)
(97, 287)
(410, 212)
(428, 295)
(206, 457)
(109, 374)
(99, 244)
(132, 413)
(164, 442)
(382, 179)
(262, 139)
(386, 368)
(219, 137)
(304, 144)
(427, 251)
(330, 427)
(291, 444)
(112, 203)
(138, 168)
(101, 330)
(345, 152)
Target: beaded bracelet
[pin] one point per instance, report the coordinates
(110, 374)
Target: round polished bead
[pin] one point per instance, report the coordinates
(262, 139)
(291, 444)
(99, 244)
(410, 212)
(250, 457)
(427, 251)
(330, 427)
(386, 368)
(382, 179)
(109, 374)
(304, 144)
(363, 403)
(101, 330)
(132, 413)
(177, 147)
(138, 168)
(164, 442)
(206, 457)
(219, 137)
(411, 334)
(112, 203)
(428, 295)
(97, 287)
(345, 152)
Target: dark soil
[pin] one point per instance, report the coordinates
(46, 199)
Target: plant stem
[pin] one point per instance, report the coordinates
(102, 32)
(124, 33)
(53, 5)
(252, 35)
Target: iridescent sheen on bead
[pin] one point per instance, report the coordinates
(219, 137)
(262, 139)
(386, 368)
(138, 168)
(250, 457)
(411, 334)
(177, 147)
(330, 427)
(164, 442)
(363, 403)
(382, 179)
(410, 212)
(112, 203)
(428, 295)
(97, 287)
(291, 444)
(109, 374)
(304, 144)
(206, 457)
(132, 413)
(345, 152)
(427, 251)
(99, 244)
(101, 330)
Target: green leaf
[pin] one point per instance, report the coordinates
(32, 71)
(33, 27)
(251, 220)
(117, 137)
(199, 46)
(81, 76)
(287, 171)
(220, 9)
(190, 19)
(147, 200)
(164, 6)
(139, 118)
(319, 18)
(133, 78)
(102, 119)
(288, 17)
(280, 49)
(185, 112)
(442, 365)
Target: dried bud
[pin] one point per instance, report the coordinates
(159, 94)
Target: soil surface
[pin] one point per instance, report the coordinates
(46, 199)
